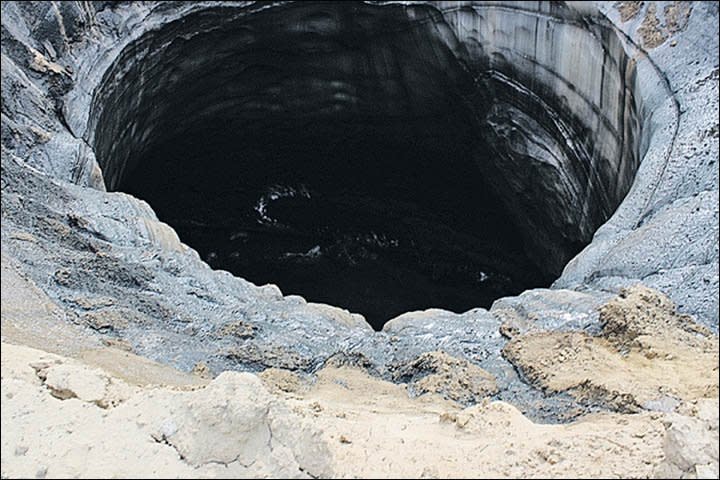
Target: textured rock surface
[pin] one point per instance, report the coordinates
(105, 261)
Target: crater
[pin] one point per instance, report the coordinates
(381, 158)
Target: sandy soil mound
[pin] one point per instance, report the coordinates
(64, 418)
(647, 356)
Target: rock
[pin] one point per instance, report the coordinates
(237, 329)
(277, 379)
(202, 370)
(641, 312)
(24, 236)
(628, 364)
(91, 303)
(43, 65)
(62, 381)
(628, 10)
(109, 319)
(68, 380)
(353, 320)
(677, 15)
(160, 234)
(213, 429)
(549, 310)
(455, 379)
(252, 356)
(117, 343)
(691, 444)
(652, 36)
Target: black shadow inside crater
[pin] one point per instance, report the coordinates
(345, 153)
(379, 216)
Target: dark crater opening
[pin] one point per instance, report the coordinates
(379, 216)
(349, 154)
